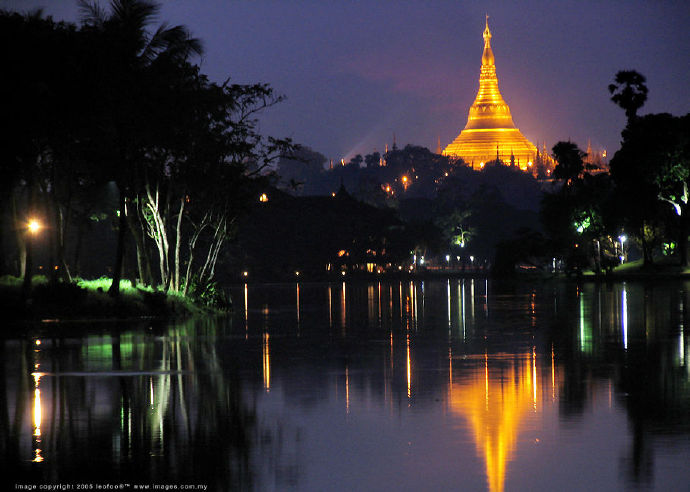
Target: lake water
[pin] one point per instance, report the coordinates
(460, 384)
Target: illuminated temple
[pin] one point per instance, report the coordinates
(490, 132)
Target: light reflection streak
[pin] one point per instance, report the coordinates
(343, 310)
(553, 375)
(266, 355)
(409, 370)
(297, 305)
(486, 298)
(449, 317)
(472, 298)
(371, 308)
(330, 306)
(534, 378)
(347, 390)
(246, 311)
(464, 324)
(379, 303)
(624, 316)
(400, 297)
(38, 417)
(681, 336)
(585, 326)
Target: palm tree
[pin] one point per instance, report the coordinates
(133, 54)
(629, 92)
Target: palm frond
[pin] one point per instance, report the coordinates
(91, 13)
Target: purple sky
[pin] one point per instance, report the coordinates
(355, 73)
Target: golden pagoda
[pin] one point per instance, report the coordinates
(490, 133)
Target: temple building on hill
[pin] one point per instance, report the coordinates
(490, 133)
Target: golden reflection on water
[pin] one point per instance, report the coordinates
(298, 320)
(266, 352)
(343, 310)
(495, 397)
(37, 420)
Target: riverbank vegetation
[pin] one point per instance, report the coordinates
(89, 300)
(112, 126)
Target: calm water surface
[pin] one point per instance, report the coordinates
(435, 385)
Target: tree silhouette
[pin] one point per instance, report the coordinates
(131, 57)
(629, 92)
(570, 162)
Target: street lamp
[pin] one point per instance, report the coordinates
(622, 238)
(34, 226)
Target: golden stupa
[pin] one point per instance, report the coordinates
(490, 132)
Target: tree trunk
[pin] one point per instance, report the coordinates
(61, 232)
(178, 239)
(120, 251)
(143, 261)
(21, 238)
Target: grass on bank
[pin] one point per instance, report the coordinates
(90, 299)
(663, 266)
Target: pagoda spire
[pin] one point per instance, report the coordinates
(488, 55)
(489, 121)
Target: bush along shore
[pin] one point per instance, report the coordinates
(89, 299)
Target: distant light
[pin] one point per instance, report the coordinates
(342, 273)
(263, 197)
(38, 342)
(623, 238)
(447, 257)
(245, 273)
(296, 274)
(404, 179)
(34, 226)
(472, 259)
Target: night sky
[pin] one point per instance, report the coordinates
(355, 73)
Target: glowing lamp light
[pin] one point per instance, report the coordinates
(296, 273)
(245, 273)
(34, 226)
(342, 273)
(263, 198)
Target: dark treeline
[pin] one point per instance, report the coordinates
(450, 213)
(111, 120)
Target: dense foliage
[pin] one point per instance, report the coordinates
(115, 108)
